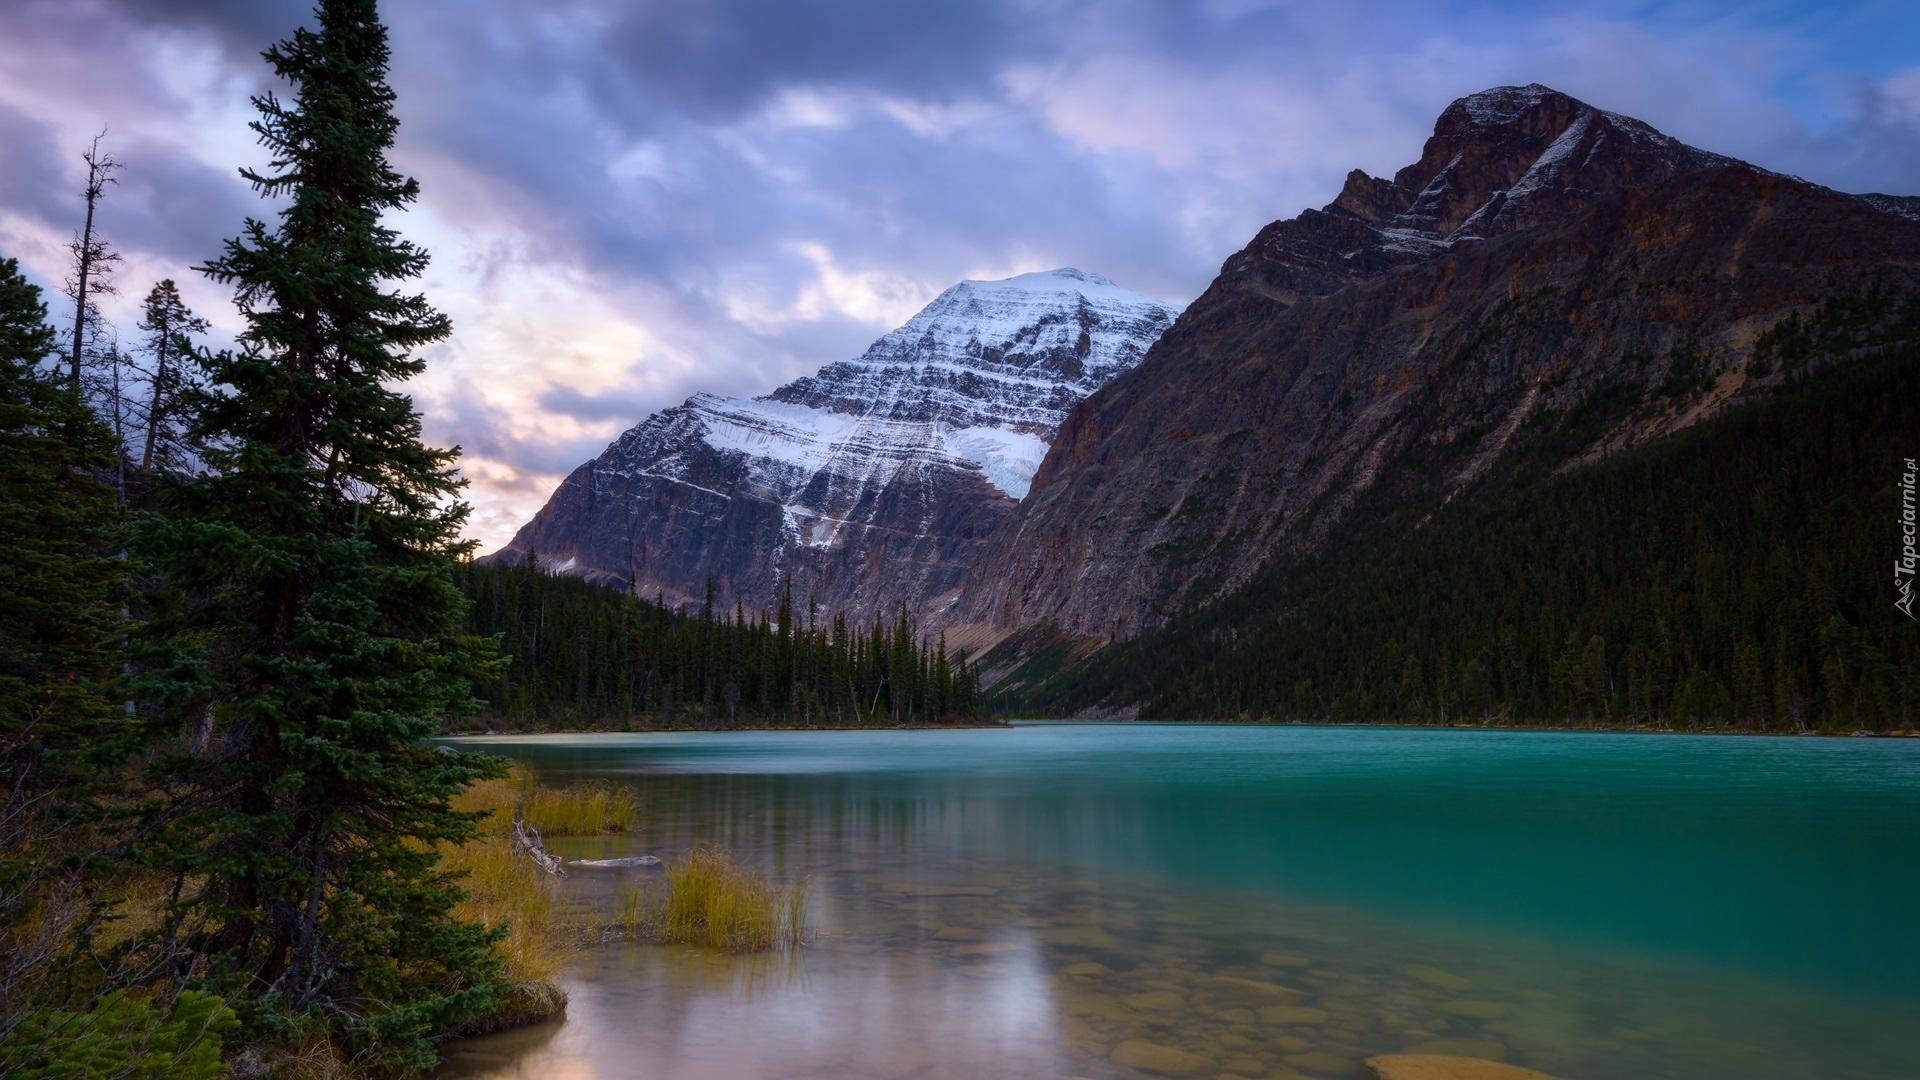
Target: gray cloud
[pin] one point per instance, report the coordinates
(631, 201)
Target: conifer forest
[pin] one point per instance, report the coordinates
(581, 654)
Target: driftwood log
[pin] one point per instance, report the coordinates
(529, 839)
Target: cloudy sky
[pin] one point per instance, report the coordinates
(631, 200)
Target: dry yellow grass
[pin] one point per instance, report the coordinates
(506, 887)
(712, 900)
(575, 810)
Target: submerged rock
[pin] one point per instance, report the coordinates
(1459, 1047)
(1164, 1060)
(1446, 1067)
(1293, 1014)
(1087, 969)
(1433, 976)
(1154, 1001)
(1238, 989)
(1321, 1062)
(1476, 1010)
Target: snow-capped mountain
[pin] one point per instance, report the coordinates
(870, 483)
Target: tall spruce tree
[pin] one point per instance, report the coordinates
(317, 622)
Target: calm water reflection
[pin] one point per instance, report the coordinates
(1094, 900)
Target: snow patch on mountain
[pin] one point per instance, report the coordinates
(980, 378)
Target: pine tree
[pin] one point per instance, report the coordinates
(58, 578)
(319, 618)
(62, 734)
(168, 323)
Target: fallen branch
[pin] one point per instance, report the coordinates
(529, 840)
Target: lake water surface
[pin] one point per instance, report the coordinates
(1274, 902)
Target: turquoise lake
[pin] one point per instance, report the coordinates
(1278, 902)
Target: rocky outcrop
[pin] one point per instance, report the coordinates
(867, 485)
(1544, 269)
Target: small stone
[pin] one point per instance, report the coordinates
(1236, 1016)
(1292, 1044)
(1292, 1014)
(1238, 989)
(1342, 1034)
(1321, 1062)
(1475, 1010)
(1445, 1067)
(1089, 937)
(1433, 976)
(1458, 1047)
(1164, 1060)
(1245, 1067)
(1093, 1006)
(1087, 969)
(1274, 959)
(1156, 1001)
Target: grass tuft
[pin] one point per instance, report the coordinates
(712, 900)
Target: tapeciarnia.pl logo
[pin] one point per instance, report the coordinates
(1903, 567)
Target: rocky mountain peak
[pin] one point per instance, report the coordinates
(869, 483)
(1498, 161)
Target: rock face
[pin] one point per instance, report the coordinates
(1542, 259)
(871, 483)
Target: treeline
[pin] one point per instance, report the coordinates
(1737, 574)
(583, 654)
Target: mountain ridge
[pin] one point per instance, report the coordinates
(1538, 255)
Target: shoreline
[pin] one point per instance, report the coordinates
(1624, 729)
(1008, 722)
(597, 730)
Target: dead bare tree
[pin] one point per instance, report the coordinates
(93, 260)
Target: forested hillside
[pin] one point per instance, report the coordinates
(1736, 574)
(582, 654)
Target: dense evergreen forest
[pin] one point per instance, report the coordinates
(584, 654)
(1736, 574)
